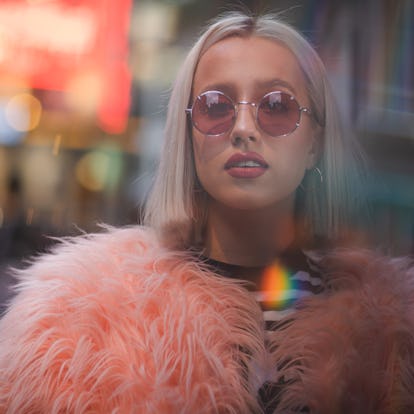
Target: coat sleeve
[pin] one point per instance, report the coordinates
(112, 323)
(351, 350)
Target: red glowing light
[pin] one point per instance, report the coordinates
(51, 43)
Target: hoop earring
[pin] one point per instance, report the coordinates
(318, 170)
(320, 174)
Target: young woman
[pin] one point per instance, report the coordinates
(213, 306)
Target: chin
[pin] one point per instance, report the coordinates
(252, 198)
(252, 204)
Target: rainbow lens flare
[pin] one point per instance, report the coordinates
(276, 286)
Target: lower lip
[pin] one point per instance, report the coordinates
(246, 172)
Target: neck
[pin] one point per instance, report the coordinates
(248, 238)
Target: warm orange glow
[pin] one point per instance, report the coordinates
(84, 92)
(275, 283)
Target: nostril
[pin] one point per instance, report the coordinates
(240, 139)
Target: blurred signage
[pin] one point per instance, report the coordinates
(76, 46)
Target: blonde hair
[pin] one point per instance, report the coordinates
(175, 204)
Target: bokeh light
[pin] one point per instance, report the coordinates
(100, 169)
(8, 135)
(23, 112)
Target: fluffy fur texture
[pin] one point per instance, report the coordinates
(351, 350)
(115, 323)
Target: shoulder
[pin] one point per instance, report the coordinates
(112, 240)
(354, 269)
(361, 326)
(114, 274)
(89, 256)
(81, 278)
(112, 321)
(364, 285)
(115, 265)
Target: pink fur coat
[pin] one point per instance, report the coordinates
(115, 323)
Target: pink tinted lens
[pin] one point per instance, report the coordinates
(278, 114)
(213, 113)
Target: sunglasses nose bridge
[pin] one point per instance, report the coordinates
(251, 116)
(252, 104)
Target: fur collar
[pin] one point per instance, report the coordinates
(116, 323)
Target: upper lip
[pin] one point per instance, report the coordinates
(239, 157)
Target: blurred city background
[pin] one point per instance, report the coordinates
(84, 86)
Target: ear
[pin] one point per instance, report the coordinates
(315, 149)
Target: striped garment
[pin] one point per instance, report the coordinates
(277, 288)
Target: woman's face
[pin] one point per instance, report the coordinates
(245, 168)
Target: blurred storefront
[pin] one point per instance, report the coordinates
(84, 86)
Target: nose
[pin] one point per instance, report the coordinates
(245, 128)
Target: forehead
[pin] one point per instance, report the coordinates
(249, 64)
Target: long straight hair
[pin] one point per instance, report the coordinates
(175, 204)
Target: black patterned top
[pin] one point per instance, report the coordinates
(277, 288)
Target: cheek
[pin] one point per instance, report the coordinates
(289, 160)
(208, 152)
(207, 148)
(301, 152)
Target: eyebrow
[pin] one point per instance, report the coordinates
(276, 82)
(223, 87)
(228, 88)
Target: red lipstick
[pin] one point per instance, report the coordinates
(246, 165)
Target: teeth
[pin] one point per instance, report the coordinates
(249, 163)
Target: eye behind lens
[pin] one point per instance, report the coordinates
(213, 113)
(278, 114)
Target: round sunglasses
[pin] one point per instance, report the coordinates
(277, 114)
